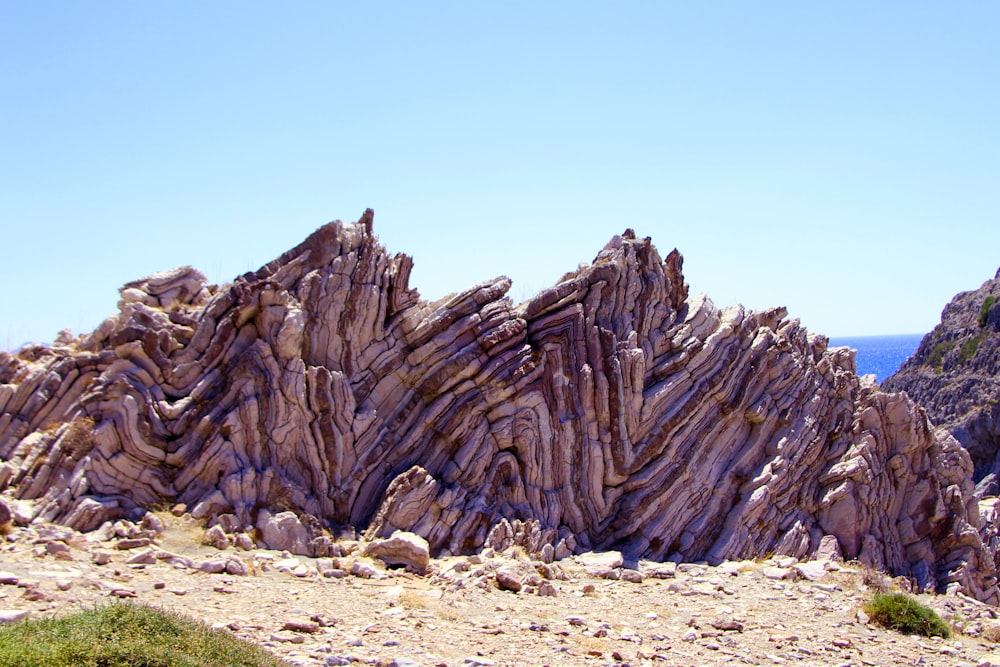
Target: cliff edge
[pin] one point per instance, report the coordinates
(955, 376)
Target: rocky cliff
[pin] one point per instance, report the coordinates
(955, 376)
(612, 410)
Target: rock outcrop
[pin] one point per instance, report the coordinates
(955, 376)
(611, 411)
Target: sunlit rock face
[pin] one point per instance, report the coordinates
(612, 410)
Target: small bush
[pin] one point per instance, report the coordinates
(126, 635)
(902, 613)
(984, 312)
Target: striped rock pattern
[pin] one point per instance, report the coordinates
(612, 410)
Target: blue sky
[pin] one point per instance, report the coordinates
(840, 159)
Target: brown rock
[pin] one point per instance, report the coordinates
(508, 581)
(136, 543)
(308, 627)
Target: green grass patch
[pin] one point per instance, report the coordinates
(126, 635)
(984, 312)
(902, 613)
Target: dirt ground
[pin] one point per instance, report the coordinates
(749, 613)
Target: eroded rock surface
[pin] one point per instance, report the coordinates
(955, 376)
(611, 411)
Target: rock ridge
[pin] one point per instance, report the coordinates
(955, 375)
(611, 411)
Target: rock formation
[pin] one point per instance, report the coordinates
(955, 376)
(611, 411)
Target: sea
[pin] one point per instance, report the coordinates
(880, 355)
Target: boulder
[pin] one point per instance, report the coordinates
(401, 548)
(283, 532)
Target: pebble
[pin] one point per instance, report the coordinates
(100, 557)
(8, 578)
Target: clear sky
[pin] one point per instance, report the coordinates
(840, 159)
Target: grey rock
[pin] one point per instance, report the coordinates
(401, 548)
(152, 522)
(634, 576)
(216, 537)
(283, 532)
(363, 570)
(602, 560)
(212, 566)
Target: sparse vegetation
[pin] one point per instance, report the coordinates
(936, 358)
(126, 635)
(969, 348)
(984, 312)
(900, 612)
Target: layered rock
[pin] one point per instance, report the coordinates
(611, 411)
(955, 376)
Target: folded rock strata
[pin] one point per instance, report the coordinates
(611, 411)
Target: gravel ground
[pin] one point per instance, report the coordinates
(750, 613)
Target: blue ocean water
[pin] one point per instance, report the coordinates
(881, 355)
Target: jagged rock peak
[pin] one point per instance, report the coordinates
(611, 411)
(955, 376)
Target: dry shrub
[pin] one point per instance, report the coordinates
(876, 581)
(79, 438)
(411, 599)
